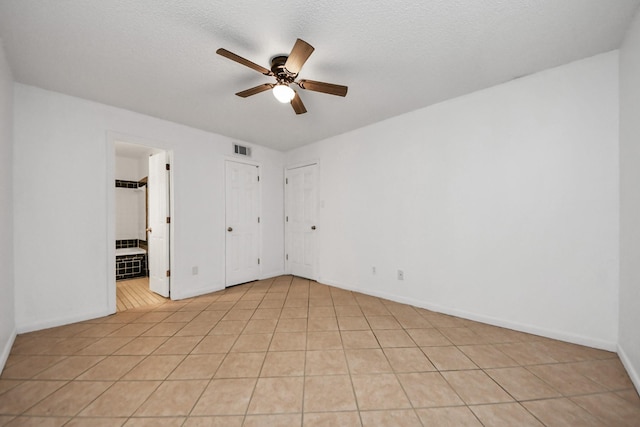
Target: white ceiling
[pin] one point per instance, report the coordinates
(157, 57)
(134, 151)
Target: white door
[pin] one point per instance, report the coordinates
(242, 223)
(158, 231)
(301, 214)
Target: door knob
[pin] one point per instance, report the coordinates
(149, 230)
(229, 229)
(313, 227)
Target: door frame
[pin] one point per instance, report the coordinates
(111, 139)
(260, 169)
(319, 206)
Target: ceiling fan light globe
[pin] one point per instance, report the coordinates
(283, 93)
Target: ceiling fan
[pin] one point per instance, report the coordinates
(285, 69)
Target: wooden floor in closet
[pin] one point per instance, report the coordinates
(133, 293)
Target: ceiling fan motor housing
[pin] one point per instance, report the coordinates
(281, 73)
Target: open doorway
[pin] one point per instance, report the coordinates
(142, 225)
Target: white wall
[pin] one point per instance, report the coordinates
(127, 168)
(7, 319)
(629, 338)
(130, 213)
(130, 202)
(64, 233)
(500, 206)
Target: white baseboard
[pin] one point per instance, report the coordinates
(215, 288)
(196, 292)
(631, 370)
(6, 350)
(52, 323)
(503, 323)
(271, 275)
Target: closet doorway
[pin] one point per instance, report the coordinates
(142, 225)
(301, 219)
(242, 216)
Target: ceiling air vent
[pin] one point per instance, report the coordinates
(242, 150)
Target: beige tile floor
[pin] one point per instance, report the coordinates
(289, 352)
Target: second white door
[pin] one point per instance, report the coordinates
(301, 221)
(242, 223)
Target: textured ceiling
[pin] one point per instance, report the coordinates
(157, 57)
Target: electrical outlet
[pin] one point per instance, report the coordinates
(373, 270)
(400, 275)
(194, 270)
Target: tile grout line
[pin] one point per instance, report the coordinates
(304, 365)
(210, 380)
(346, 361)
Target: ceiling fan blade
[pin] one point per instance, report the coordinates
(255, 90)
(329, 88)
(297, 105)
(298, 56)
(232, 56)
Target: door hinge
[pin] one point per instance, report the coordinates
(287, 257)
(258, 220)
(287, 218)
(168, 273)
(258, 178)
(168, 220)
(168, 167)
(286, 180)
(258, 260)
